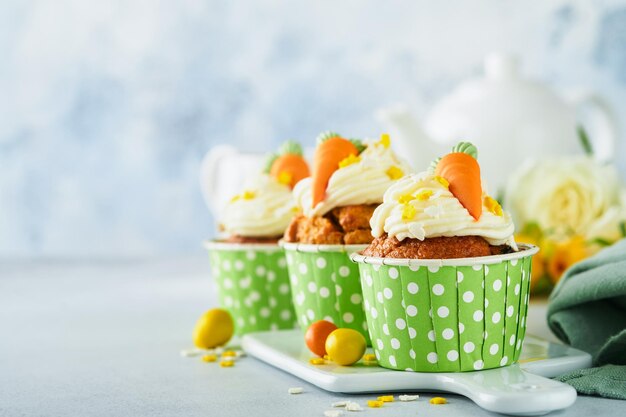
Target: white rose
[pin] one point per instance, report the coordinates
(565, 196)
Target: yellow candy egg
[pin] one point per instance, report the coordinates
(214, 328)
(345, 346)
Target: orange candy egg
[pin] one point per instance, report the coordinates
(316, 334)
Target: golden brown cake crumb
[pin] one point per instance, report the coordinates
(433, 248)
(351, 218)
(343, 225)
(252, 239)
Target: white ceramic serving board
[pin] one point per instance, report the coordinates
(521, 389)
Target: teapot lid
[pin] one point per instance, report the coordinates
(501, 101)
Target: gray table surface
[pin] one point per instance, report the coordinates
(104, 339)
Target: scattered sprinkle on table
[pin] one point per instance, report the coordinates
(408, 397)
(189, 353)
(333, 413)
(352, 406)
(317, 361)
(374, 403)
(209, 358)
(386, 398)
(295, 390)
(229, 354)
(369, 357)
(339, 404)
(438, 400)
(227, 364)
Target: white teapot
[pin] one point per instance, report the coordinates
(508, 117)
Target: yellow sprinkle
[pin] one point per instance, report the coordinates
(284, 177)
(369, 357)
(408, 212)
(227, 364)
(442, 181)
(394, 173)
(295, 209)
(386, 398)
(248, 195)
(405, 198)
(349, 160)
(374, 403)
(438, 400)
(235, 198)
(209, 358)
(493, 206)
(424, 195)
(317, 361)
(229, 354)
(326, 357)
(385, 140)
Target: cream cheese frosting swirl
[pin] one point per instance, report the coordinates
(264, 209)
(362, 182)
(421, 206)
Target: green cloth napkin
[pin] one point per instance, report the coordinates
(608, 381)
(587, 310)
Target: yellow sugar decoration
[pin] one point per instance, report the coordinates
(493, 206)
(394, 173)
(374, 403)
(424, 195)
(442, 181)
(227, 364)
(295, 209)
(385, 140)
(408, 212)
(438, 400)
(386, 398)
(369, 357)
(248, 195)
(317, 361)
(209, 358)
(235, 198)
(405, 198)
(349, 160)
(284, 177)
(229, 354)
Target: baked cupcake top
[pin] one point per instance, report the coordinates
(448, 200)
(348, 172)
(265, 206)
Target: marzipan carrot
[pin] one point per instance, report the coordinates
(463, 173)
(326, 161)
(289, 166)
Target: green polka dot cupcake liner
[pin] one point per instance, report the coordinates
(253, 285)
(450, 315)
(325, 285)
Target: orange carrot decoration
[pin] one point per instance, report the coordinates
(288, 167)
(462, 171)
(331, 150)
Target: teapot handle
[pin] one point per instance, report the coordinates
(209, 174)
(602, 123)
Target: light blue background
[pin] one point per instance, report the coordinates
(106, 108)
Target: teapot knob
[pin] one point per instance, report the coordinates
(501, 66)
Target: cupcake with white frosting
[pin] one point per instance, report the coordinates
(349, 179)
(247, 263)
(445, 286)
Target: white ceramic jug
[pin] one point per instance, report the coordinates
(223, 172)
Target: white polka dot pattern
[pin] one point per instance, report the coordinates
(446, 319)
(253, 285)
(326, 284)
